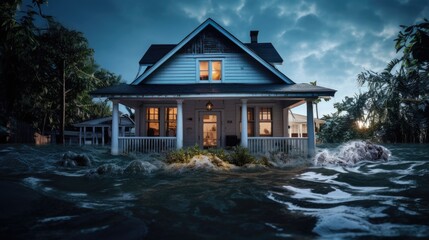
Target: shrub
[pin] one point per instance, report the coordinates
(240, 156)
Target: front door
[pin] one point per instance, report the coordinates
(209, 133)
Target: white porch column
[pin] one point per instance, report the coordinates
(137, 121)
(179, 132)
(115, 128)
(244, 139)
(286, 122)
(310, 129)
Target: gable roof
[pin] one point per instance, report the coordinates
(266, 51)
(219, 28)
(156, 51)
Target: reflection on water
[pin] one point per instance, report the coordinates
(140, 195)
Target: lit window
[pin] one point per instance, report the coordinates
(265, 122)
(210, 70)
(152, 121)
(204, 70)
(170, 121)
(216, 70)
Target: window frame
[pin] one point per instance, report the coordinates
(268, 120)
(149, 120)
(210, 69)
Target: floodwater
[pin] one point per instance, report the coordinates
(141, 197)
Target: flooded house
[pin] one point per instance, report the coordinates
(206, 89)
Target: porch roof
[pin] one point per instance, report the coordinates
(217, 90)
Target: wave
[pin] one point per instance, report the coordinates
(350, 153)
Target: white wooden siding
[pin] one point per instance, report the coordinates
(237, 68)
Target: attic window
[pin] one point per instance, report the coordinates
(210, 70)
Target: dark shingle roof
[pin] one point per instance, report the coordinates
(264, 50)
(299, 90)
(155, 52)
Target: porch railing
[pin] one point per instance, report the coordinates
(146, 144)
(291, 146)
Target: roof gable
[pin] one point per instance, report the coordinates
(222, 31)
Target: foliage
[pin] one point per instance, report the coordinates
(396, 106)
(39, 67)
(238, 156)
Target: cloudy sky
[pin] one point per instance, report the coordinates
(328, 41)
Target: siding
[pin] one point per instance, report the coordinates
(237, 68)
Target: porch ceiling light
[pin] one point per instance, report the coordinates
(209, 106)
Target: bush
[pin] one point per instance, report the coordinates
(240, 156)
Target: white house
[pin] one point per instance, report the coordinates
(298, 125)
(205, 89)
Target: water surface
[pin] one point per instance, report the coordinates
(42, 200)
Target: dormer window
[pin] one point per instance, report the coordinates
(210, 70)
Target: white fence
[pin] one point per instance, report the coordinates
(146, 144)
(291, 146)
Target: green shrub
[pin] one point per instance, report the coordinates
(240, 156)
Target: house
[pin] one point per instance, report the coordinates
(96, 131)
(208, 87)
(298, 125)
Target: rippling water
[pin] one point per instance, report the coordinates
(140, 196)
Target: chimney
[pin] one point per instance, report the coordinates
(254, 36)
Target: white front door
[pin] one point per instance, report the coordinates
(209, 129)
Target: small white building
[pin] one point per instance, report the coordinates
(208, 87)
(98, 131)
(298, 125)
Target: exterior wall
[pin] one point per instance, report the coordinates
(237, 68)
(229, 111)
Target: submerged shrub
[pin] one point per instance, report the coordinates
(240, 156)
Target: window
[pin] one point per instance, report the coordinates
(265, 122)
(210, 70)
(250, 122)
(152, 121)
(170, 121)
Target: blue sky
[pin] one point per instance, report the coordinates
(328, 41)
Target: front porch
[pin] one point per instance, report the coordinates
(166, 125)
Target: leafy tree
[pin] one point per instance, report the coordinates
(396, 105)
(46, 74)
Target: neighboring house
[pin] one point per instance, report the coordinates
(97, 131)
(208, 87)
(298, 125)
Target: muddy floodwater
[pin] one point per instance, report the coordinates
(142, 197)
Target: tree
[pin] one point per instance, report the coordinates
(46, 74)
(396, 105)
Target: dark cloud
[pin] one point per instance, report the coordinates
(330, 41)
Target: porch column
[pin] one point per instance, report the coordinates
(244, 139)
(286, 122)
(115, 128)
(137, 121)
(310, 129)
(179, 132)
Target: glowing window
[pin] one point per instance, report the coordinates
(265, 122)
(170, 121)
(152, 121)
(210, 70)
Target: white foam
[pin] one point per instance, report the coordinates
(56, 219)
